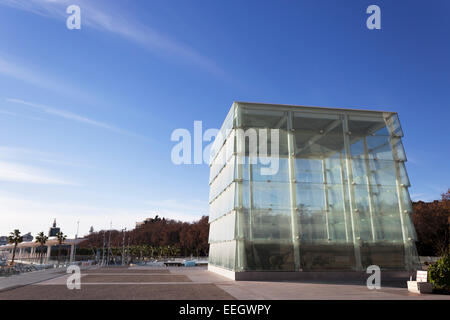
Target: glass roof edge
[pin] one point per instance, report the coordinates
(290, 107)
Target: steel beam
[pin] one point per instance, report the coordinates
(293, 194)
(369, 189)
(351, 192)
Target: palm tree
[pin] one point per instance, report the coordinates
(152, 251)
(15, 238)
(61, 237)
(42, 239)
(174, 251)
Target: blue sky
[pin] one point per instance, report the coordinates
(86, 115)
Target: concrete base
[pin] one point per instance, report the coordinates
(223, 272)
(307, 276)
(420, 287)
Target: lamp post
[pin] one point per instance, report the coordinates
(123, 246)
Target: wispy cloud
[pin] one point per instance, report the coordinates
(71, 116)
(17, 70)
(13, 114)
(23, 154)
(105, 19)
(14, 172)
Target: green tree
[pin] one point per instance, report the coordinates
(440, 273)
(41, 238)
(16, 238)
(61, 238)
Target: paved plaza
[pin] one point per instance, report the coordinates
(183, 283)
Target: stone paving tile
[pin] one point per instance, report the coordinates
(198, 283)
(94, 278)
(119, 292)
(125, 270)
(29, 278)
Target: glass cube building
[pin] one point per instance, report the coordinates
(338, 200)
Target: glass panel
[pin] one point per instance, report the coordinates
(263, 142)
(339, 223)
(334, 167)
(362, 213)
(389, 227)
(394, 123)
(260, 169)
(311, 207)
(266, 224)
(223, 228)
(317, 138)
(223, 204)
(406, 200)
(399, 150)
(252, 118)
(318, 146)
(386, 256)
(312, 226)
(382, 172)
(322, 257)
(410, 230)
(223, 254)
(367, 126)
(223, 179)
(310, 197)
(227, 126)
(308, 170)
(266, 195)
(223, 156)
(269, 256)
(378, 148)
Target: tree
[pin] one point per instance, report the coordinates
(432, 224)
(61, 238)
(41, 238)
(157, 232)
(440, 273)
(16, 238)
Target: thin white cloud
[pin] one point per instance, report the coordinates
(105, 19)
(23, 154)
(70, 116)
(16, 70)
(13, 172)
(13, 114)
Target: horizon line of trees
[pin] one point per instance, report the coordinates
(155, 235)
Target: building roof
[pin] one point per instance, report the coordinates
(265, 104)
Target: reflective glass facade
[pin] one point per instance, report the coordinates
(338, 200)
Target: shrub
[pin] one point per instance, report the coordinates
(439, 273)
